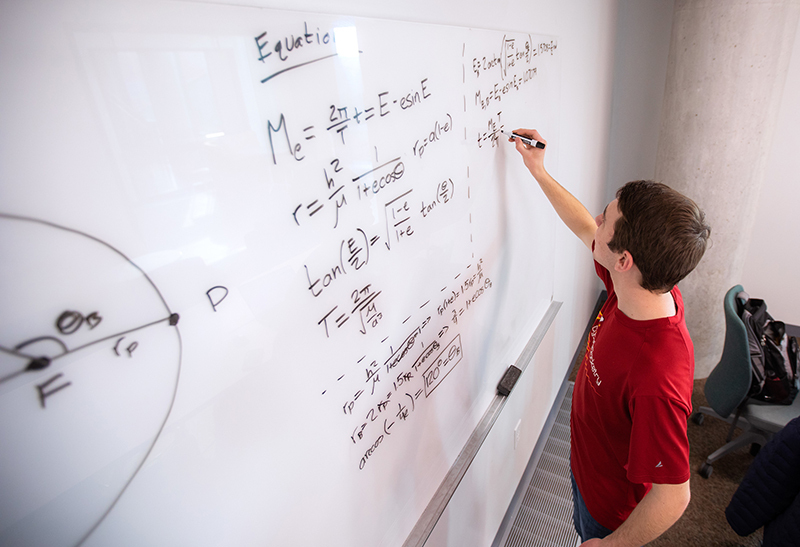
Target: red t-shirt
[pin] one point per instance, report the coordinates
(632, 397)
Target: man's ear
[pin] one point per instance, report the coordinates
(624, 262)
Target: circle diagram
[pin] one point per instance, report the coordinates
(90, 357)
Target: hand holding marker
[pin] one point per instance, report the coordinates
(526, 140)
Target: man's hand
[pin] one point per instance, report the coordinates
(532, 156)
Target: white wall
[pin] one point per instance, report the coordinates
(640, 70)
(772, 267)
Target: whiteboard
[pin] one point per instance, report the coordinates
(262, 269)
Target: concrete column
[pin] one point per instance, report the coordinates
(727, 66)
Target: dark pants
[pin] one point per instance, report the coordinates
(585, 524)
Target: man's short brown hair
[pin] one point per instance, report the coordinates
(664, 231)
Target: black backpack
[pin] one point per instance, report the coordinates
(773, 354)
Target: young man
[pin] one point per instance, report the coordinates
(632, 396)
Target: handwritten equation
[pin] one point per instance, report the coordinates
(355, 252)
(394, 388)
(340, 118)
(501, 74)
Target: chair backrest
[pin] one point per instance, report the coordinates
(729, 383)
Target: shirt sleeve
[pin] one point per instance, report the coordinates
(659, 447)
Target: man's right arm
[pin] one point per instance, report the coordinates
(569, 209)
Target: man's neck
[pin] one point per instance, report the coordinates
(640, 304)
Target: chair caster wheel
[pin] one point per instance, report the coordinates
(706, 470)
(698, 418)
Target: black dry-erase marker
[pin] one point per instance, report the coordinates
(526, 140)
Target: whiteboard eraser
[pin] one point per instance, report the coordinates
(509, 379)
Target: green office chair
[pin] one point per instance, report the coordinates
(727, 388)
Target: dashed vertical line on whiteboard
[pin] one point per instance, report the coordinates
(469, 189)
(469, 198)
